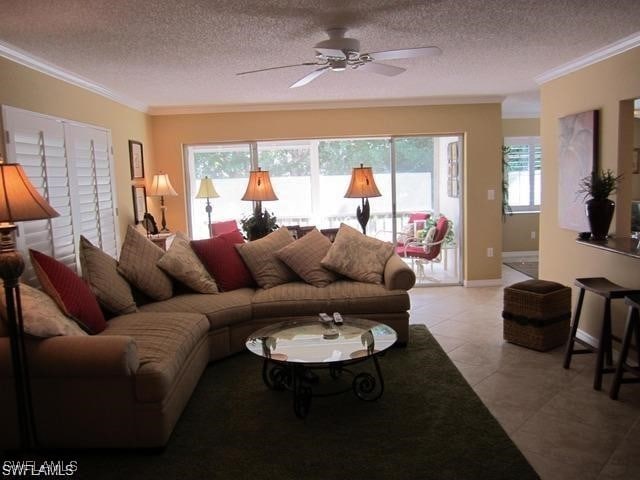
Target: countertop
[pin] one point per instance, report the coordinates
(623, 245)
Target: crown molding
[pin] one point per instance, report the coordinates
(621, 46)
(23, 58)
(270, 107)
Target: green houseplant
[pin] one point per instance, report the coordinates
(599, 208)
(259, 224)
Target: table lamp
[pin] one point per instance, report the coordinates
(161, 187)
(19, 201)
(362, 186)
(259, 189)
(207, 190)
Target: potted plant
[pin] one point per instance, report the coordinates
(599, 186)
(259, 224)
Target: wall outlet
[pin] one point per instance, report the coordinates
(491, 194)
(490, 252)
(533, 235)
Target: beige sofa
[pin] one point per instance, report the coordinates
(127, 386)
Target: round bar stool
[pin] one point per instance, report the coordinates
(609, 291)
(633, 327)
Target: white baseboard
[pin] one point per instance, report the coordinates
(524, 253)
(585, 337)
(490, 282)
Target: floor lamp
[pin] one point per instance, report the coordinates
(362, 186)
(161, 187)
(207, 190)
(19, 201)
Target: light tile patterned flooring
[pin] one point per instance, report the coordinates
(566, 429)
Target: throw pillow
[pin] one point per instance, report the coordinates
(260, 256)
(183, 264)
(41, 317)
(69, 291)
(222, 260)
(304, 255)
(357, 256)
(138, 264)
(100, 270)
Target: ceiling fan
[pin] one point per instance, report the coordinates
(339, 53)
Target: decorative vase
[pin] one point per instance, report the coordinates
(600, 214)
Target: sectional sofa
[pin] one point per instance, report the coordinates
(126, 386)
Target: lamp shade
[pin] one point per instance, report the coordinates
(161, 186)
(207, 190)
(19, 199)
(259, 188)
(362, 184)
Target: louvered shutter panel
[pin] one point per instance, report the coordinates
(37, 142)
(88, 150)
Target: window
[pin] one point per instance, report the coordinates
(310, 178)
(70, 164)
(523, 172)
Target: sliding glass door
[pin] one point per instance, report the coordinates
(415, 175)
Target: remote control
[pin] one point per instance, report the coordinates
(337, 318)
(324, 318)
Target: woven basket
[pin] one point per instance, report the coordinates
(539, 338)
(536, 314)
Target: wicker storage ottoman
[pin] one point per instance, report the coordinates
(536, 314)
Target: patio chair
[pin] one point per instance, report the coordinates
(427, 250)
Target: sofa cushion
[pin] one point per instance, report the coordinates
(138, 259)
(165, 342)
(69, 291)
(222, 309)
(260, 256)
(183, 264)
(100, 270)
(357, 256)
(222, 260)
(344, 296)
(41, 316)
(304, 255)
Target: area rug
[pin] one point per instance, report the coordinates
(530, 269)
(428, 424)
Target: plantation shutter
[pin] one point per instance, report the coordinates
(88, 151)
(70, 165)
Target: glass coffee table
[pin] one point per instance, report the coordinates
(294, 350)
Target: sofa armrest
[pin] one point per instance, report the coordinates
(398, 275)
(76, 356)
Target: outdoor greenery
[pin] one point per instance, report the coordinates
(599, 185)
(506, 208)
(337, 157)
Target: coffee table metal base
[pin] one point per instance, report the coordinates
(299, 378)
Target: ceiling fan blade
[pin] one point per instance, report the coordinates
(331, 52)
(310, 77)
(382, 69)
(405, 53)
(276, 68)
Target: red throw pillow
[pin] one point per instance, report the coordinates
(69, 291)
(221, 259)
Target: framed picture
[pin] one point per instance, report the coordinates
(136, 159)
(139, 203)
(635, 162)
(577, 158)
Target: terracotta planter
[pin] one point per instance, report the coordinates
(600, 214)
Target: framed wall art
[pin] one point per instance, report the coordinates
(577, 158)
(136, 159)
(139, 203)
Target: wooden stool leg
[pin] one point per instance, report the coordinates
(608, 340)
(574, 328)
(602, 344)
(632, 325)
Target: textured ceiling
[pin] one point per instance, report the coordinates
(165, 53)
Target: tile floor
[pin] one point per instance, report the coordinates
(564, 428)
